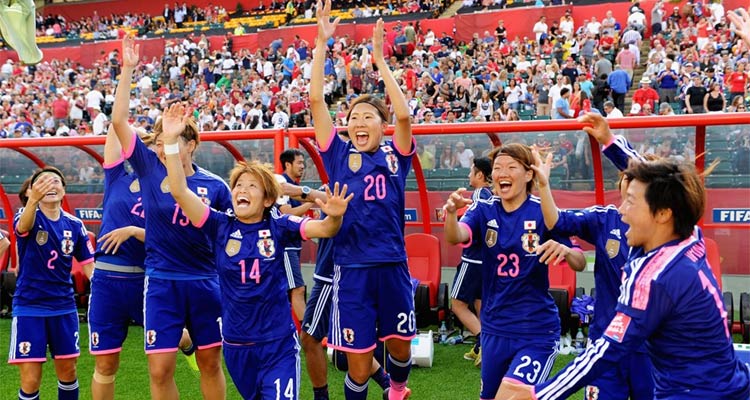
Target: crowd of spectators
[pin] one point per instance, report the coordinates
(566, 68)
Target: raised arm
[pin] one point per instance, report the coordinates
(402, 134)
(453, 232)
(37, 191)
(112, 148)
(322, 119)
(741, 21)
(173, 124)
(334, 208)
(120, 108)
(542, 169)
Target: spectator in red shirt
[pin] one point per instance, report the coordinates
(737, 80)
(60, 109)
(646, 94)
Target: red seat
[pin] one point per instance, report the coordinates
(562, 287)
(431, 299)
(81, 284)
(714, 259)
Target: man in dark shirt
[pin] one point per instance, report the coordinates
(694, 96)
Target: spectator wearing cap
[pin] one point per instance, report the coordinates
(570, 70)
(667, 81)
(695, 95)
(645, 94)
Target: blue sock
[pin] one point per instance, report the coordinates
(67, 390)
(27, 396)
(354, 390)
(381, 378)
(399, 371)
(320, 393)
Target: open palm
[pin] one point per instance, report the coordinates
(130, 51)
(173, 121)
(326, 28)
(336, 202)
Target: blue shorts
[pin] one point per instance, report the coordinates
(318, 311)
(293, 269)
(631, 378)
(269, 370)
(467, 284)
(370, 304)
(172, 305)
(114, 303)
(528, 361)
(30, 336)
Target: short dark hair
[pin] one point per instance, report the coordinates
(484, 165)
(288, 156)
(564, 91)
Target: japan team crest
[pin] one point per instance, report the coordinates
(41, 238)
(67, 243)
(613, 247)
(233, 247)
(490, 238)
(348, 335)
(203, 193)
(355, 161)
(266, 246)
(24, 348)
(150, 337)
(94, 338)
(392, 162)
(135, 187)
(592, 393)
(530, 241)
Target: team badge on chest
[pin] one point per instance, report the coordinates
(490, 238)
(529, 240)
(67, 243)
(613, 247)
(355, 161)
(233, 247)
(41, 238)
(135, 187)
(391, 159)
(266, 246)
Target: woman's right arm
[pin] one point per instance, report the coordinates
(120, 109)
(453, 231)
(37, 191)
(318, 107)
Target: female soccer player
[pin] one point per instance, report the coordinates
(260, 341)
(182, 287)
(520, 323)
(44, 309)
(371, 284)
(669, 297)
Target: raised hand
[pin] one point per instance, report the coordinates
(173, 122)
(43, 185)
(336, 202)
(599, 128)
(456, 201)
(377, 40)
(112, 240)
(542, 168)
(326, 28)
(130, 51)
(741, 21)
(552, 252)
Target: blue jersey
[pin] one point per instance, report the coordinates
(175, 249)
(44, 286)
(250, 258)
(294, 245)
(515, 297)
(620, 152)
(473, 253)
(324, 259)
(670, 300)
(122, 206)
(373, 229)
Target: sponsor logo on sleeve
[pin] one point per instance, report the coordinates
(618, 327)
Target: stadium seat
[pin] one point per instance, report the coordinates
(714, 261)
(81, 284)
(562, 287)
(7, 283)
(431, 298)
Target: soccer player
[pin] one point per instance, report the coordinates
(293, 162)
(467, 284)
(44, 309)
(182, 287)
(371, 285)
(602, 227)
(260, 342)
(669, 298)
(520, 322)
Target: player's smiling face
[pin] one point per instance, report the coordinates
(637, 214)
(366, 127)
(56, 193)
(509, 178)
(248, 198)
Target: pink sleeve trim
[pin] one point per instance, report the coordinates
(204, 218)
(325, 146)
(27, 360)
(401, 337)
(114, 163)
(614, 137)
(209, 346)
(23, 234)
(468, 229)
(129, 152)
(67, 356)
(105, 352)
(413, 147)
(302, 229)
(88, 261)
(160, 351)
(350, 350)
